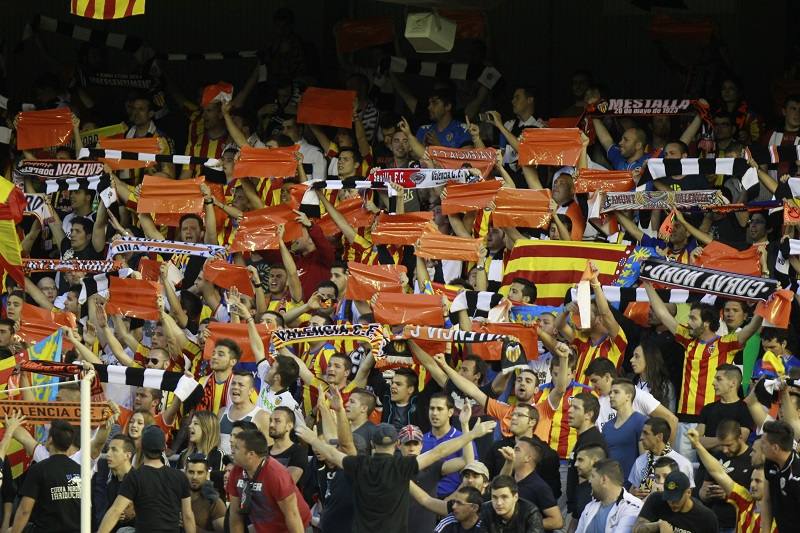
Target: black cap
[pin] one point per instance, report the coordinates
(384, 434)
(153, 439)
(675, 485)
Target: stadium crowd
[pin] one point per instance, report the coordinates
(650, 414)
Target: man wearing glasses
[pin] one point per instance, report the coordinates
(464, 509)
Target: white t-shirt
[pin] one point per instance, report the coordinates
(268, 400)
(637, 472)
(643, 402)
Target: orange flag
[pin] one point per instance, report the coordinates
(357, 34)
(353, 211)
(492, 351)
(639, 313)
(522, 207)
(166, 195)
(147, 145)
(365, 280)
(465, 197)
(437, 246)
(150, 269)
(135, 298)
(667, 226)
(326, 107)
(550, 146)
(401, 309)
(238, 334)
(225, 275)
(589, 180)
(42, 129)
(454, 158)
(38, 323)
(258, 229)
(400, 229)
(266, 162)
(777, 310)
(723, 257)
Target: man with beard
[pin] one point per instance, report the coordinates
(444, 130)
(782, 470)
(288, 453)
(207, 506)
(242, 388)
(216, 394)
(675, 510)
(612, 508)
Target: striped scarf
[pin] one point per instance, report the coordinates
(159, 158)
(207, 400)
(648, 476)
(73, 265)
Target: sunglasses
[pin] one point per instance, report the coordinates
(154, 360)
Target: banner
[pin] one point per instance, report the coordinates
(371, 333)
(91, 137)
(238, 334)
(46, 412)
(135, 298)
(727, 166)
(642, 106)
(365, 280)
(455, 158)
(106, 9)
(462, 198)
(353, 212)
(147, 145)
(43, 129)
(419, 178)
(650, 200)
(326, 107)
(118, 80)
(449, 335)
(266, 162)
(258, 229)
(720, 256)
(522, 208)
(437, 246)
(357, 34)
(401, 309)
(225, 275)
(522, 344)
(402, 229)
(550, 146)
(58, 169)
(69, 265)
(151, 246)
(618, 181)
(167, 195)
(725, 284)
(554, 266)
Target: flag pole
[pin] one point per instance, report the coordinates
(86, 451)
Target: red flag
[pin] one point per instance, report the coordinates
(357, 34)
(38, 323)
(720, 256)
(237, 333)
(326, 107)
(492, 351)
(401, 309)
(258, 230)
(465, 197)
(353, 211)
(225, 275)
(589, 180)
(522, 207)
(550, 146)
(42, 129)
(266, 162)
(437, 246)
(150, 269)
(400, 229)
(135, 298)
(454, 158)
(365, 280)
(166, 195)
(146, 145)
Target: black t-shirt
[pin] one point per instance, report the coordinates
(590, 437)
(739, 469)
(419, 518)
(699, 519)
(714, 413)
(548, 467)
(690, 182)
(87, 253)
(156, 494)
(533, 488)
(784, 492)
(381, 493)
(55, 484)
(297, 456)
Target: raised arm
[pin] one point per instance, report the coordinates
(660, 309)
(341, 222)
(434, 505)
(603, 309)
(460, 382)
(292, 276)
(327, 451)
(451, 446)
(631, 228)
(235, 132)
(427, 361)
(32, 290)
(416, 147)
(695, 232)
(99, 228)
(713, 466)
(750, 329)
(602, 134)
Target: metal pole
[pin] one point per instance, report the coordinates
(86, 452)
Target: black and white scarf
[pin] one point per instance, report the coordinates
(187, 389)
(77, 184)
(476, 303)
(139, 244)
(647, 473)
(141, 156)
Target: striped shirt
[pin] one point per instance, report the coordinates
(699, 366)
(317, 362)
(561, 437)
(200, 144)
(748, 520)
(608, 348)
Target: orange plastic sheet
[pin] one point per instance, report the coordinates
(465, 197)
(550, 146)
(666, 228)
(400, 229)
(522, 207)
(225, 275)
(353, 211)
(639, 313)
(217, 92)
(326, 107)
(448, 291)
(42, 129)
(150, 269)
(777, 309)
(266, 162)
(258, 229)
(604, 180)
(146, 145)
(482, 159)
(791, 213)
(720, 256)
(166, 195)
(364, 281)
(38, 323)
(437, 246)
(357, 34)
(135, 298)
(493, 351)
(238, 334)
(400, 309)
(563, 122)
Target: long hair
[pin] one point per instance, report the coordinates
(209, 425)
(149, 420)
(655, 371)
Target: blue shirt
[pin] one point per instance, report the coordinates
(789, 363)
(598, 523)
(449, 483)
(620, 163)
(454, 135)
(623, 442)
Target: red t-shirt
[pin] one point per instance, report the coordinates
(272, 484)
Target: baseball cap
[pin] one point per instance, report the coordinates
(153, 439)
(675, 485)
(478, 468)
(384, 434)
(410, 433)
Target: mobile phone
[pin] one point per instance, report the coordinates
(484, 117)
